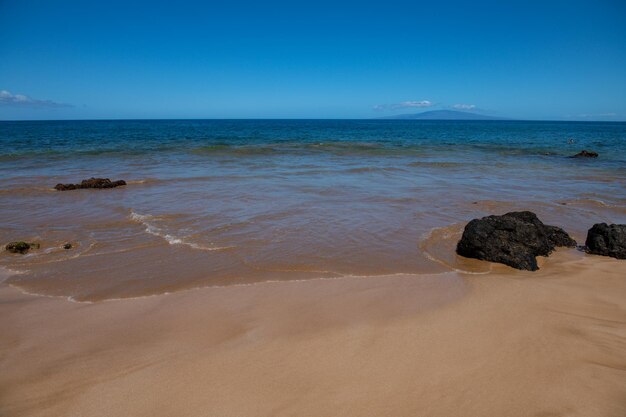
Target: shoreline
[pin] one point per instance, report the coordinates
(436, 247)
(252, 202)
(518, 344)
(71, 299)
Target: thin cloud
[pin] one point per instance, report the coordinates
(407, 104)
(464, 106)
(20, 100)
(404, 105)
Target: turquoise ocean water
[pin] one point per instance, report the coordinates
(221, 202)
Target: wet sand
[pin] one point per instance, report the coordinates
(550, 343)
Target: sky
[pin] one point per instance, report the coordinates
(554, 60)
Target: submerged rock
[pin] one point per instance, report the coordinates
(513, 239)
(90, 183)
(585, 154)
(607, 239)
(21, 247)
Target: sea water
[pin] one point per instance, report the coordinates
(229, 202)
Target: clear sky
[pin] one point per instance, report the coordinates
(312, 59)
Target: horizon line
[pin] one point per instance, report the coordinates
(385, 119)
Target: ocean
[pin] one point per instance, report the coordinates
(236, 202)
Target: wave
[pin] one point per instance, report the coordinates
(6, 273)
(26, 190)
(439, 164)
(74, 299)
(341, 148)
(594, 204)
(439, 244)
(147, 220)
(61, 152)
(51, 252)
(361, 170)
(225, 149)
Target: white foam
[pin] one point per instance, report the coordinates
(171, 239)
(36, 294)
(5, 273)
(595, 201)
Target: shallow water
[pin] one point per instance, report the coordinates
(232, 202)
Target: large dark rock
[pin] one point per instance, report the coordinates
(607, 239)
(586, 154)
(513, 239)
(21, 247)
(90, 183)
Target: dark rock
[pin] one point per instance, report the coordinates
(66, 187)
(585, 154)
(67, 246)
(513, 239)
(21, 247)
(559, 237)
(90, 183)
(607, 239)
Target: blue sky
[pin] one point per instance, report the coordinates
(150, 59)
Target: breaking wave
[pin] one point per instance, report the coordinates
(148, 221)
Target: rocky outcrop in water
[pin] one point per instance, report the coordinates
(607, 239)
(585, 154)
(513, 239)
(90, 183)
(67, 246)
(21, 247)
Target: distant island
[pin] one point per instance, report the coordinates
(443, 115)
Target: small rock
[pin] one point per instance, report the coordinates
(607, 239)
(67, 246)
(585, 154)
(21, 247)
(99, 183)
(513, 239)
(66, 187)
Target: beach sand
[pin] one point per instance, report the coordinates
(507, 343)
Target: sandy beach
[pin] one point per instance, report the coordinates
(508, 343)
(312, 209)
